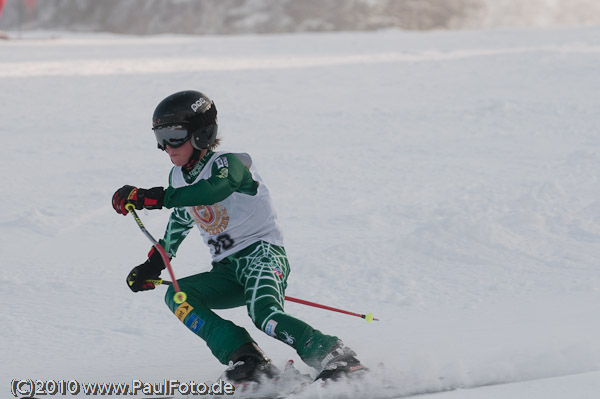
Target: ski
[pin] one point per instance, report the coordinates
(290, 383)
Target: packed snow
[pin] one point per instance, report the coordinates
(143, 17)
(448, 182)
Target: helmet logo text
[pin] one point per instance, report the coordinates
(199, 103)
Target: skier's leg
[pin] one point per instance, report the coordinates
(263, 269)
(217, 289)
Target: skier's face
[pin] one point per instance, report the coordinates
(180, 155)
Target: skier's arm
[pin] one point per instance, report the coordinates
(228, 175)
(180, 224)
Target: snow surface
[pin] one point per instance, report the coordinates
(448, 182)
(142, 17)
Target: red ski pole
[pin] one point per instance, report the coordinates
(368, 317)
(179, 296)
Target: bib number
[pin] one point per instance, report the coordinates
(222, 242)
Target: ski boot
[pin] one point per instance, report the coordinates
(340, 361)
(249, 364)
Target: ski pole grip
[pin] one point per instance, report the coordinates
(179, 297)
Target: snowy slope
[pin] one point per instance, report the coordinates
(447, 182)
(142, 17)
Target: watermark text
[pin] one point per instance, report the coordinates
(39, 388)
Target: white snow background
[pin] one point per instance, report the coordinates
(445, 181)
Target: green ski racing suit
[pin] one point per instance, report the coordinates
(224, 197)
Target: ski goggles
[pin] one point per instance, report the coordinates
(174, 135)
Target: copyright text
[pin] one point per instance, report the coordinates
(29, 388)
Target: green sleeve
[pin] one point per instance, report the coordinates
(180, 224)
(228, 175)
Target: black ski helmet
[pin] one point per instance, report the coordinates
(192, 110)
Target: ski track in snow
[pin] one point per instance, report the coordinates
(445, 181)
(150, 65)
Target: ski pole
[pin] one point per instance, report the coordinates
(179, 296)
(368, 317)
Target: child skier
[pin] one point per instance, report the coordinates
(223, 195)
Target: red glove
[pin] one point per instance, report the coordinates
(141, 198)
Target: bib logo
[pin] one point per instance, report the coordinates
(198, 104)
(212, 218)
